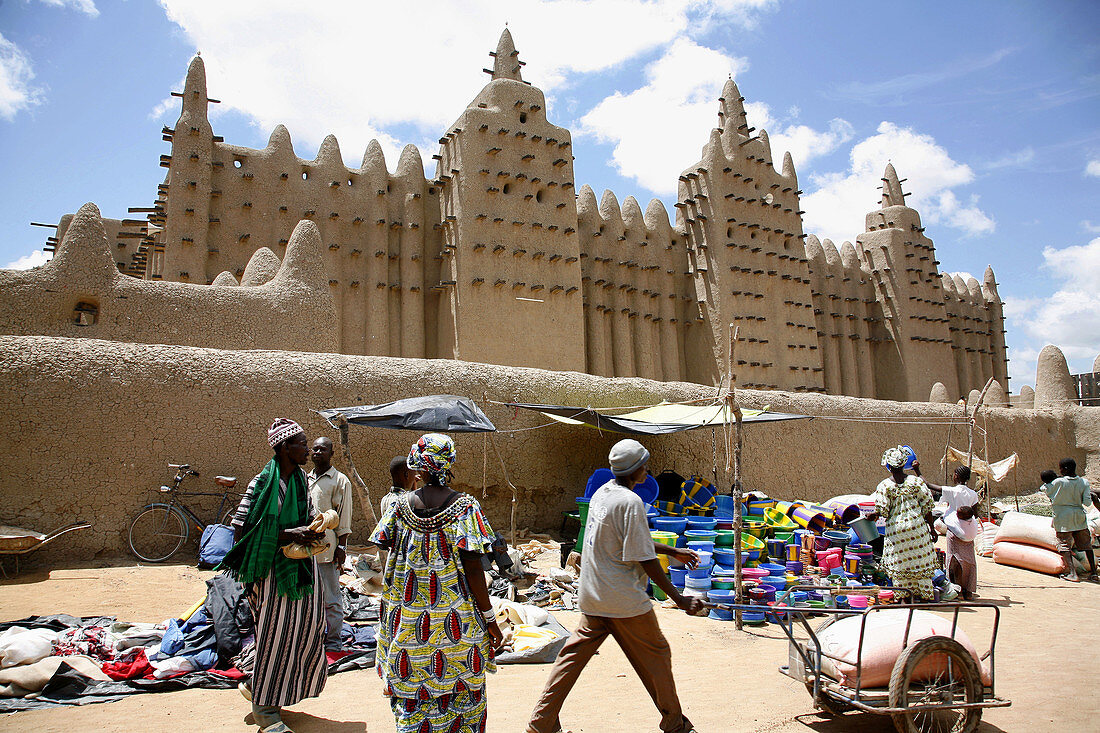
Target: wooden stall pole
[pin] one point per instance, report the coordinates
(515, 492)
(735, 408)
(360, 485)
(970, 426)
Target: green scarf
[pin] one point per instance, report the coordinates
(257, 553)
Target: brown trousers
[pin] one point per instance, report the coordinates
(644, 645)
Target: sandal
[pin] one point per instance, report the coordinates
(279, 727)
(246, 690)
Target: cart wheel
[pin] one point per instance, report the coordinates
(936, 671)
(829, 705)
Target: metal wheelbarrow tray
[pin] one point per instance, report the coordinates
(19, 541)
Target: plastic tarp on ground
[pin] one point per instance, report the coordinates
(657, 420)
(433, 413)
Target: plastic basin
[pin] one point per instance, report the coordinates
(779, 582)
(722, 583)
(723, 538)
(754, 573)
(707, 535)
(725, 556)
(773, 568)
(676, 525)
(701, 545)
(701, 522)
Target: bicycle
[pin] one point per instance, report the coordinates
(161, 528)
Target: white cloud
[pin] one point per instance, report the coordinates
(84, 6)
(359, 69)
(1092, 168)
(1011, 160)
(837, 207)
(678, 106)
(805, 143)
(1088, 226)
(659, 129)
(26, 262)
(16, 91)
(1068, 318)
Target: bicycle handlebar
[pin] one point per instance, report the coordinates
(183, 468)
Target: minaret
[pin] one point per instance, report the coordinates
(510, 276)
(189, 184)
(917, 350)
(744, 235)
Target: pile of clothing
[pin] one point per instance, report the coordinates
(46, 661)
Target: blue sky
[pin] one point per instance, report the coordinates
(989, 109)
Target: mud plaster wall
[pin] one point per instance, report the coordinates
(92, 425)
(412, 265)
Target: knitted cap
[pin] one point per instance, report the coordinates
(282, 429)
(627, 456)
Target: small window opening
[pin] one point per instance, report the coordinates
(538, 196)
(237, 163)
(522, 117)
(305, 175)
(351, 182)
(85, 313)
(507, 187)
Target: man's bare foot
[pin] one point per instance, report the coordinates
(1094, 578)
(1071, 577)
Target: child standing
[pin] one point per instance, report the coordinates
(1069, 495)
(961, 527)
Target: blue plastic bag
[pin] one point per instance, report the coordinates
(216, 541)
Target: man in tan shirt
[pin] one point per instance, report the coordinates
(330, 489)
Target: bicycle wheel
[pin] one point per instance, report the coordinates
(157, 532)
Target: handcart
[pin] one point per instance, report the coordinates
(18, 541)
(951, 699)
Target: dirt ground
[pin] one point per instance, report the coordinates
(728, 681)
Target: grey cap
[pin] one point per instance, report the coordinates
(627, 456)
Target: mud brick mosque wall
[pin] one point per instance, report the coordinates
(93, 424)
(498, 259)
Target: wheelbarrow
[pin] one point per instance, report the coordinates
(18, 541)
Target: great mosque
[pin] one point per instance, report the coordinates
(499, 259)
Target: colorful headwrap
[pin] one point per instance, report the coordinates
(895, 457)
(433, 453)
(282, 429)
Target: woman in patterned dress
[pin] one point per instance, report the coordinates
(905, 502)
(437, 630)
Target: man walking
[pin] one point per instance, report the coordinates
(330, 489)
(618, 558)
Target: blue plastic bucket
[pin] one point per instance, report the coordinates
(677, 574)
(703, 571)
(701, 522)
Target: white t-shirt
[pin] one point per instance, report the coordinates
(616, 541)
